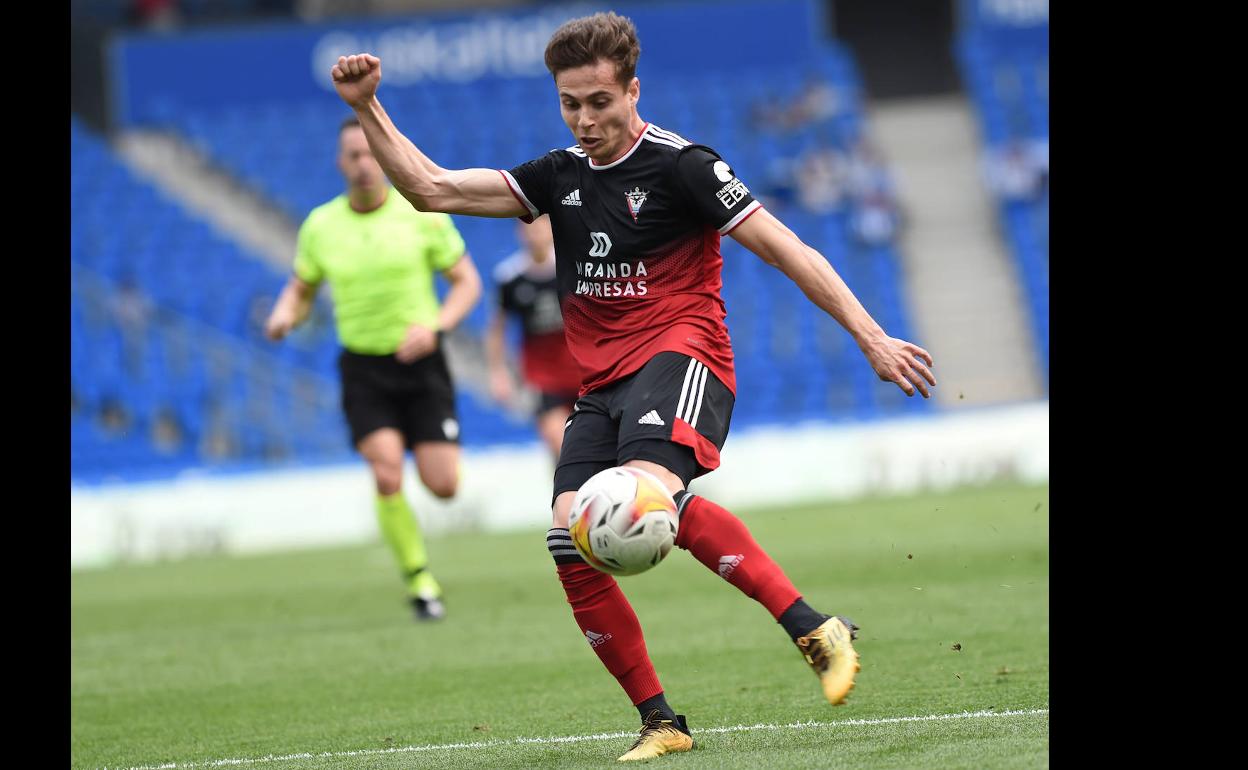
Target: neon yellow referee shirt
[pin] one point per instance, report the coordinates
(379, 265)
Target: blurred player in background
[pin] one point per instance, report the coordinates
(527, 290)
(637, 214)
(379, 256)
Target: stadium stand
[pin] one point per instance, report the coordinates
(168, 366)
(1006, 75)
(235, 399)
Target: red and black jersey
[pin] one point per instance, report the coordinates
(637, 250)
(530, 292)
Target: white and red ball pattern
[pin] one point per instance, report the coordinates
(623, 521)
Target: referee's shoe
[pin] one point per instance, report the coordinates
(428, 608)
(426, 596)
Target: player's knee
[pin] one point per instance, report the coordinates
(389, 478)
(389, 485)
(441, 485)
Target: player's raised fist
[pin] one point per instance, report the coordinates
(356, 78)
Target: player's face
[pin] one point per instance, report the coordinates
(599, 111)
(355, 160)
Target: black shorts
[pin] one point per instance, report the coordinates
(547, 400)
(417, 398)
(674, 412)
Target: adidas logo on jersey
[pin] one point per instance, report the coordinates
(573, 198)
(729, 563)
(596, 639)
(651, 418)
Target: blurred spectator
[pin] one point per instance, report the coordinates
(220, 441)
(166, 432)
(1012, 171)
(818, 101)
(874, 220)
(868, 174)
(765, 115)
(822, 177)
(132, 312)
(113, 417)
(130, 308)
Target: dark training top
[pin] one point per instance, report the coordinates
(528, 291)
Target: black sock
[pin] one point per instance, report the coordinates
(657, 702)
(800, 619)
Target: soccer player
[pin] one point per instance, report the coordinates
(638, 213)
(528, 290)
(379, 256)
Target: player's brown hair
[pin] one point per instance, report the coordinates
(583, 41)
(348, 122)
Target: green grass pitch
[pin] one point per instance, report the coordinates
(311, 659)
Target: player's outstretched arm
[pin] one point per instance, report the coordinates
(894, 360)
(429, 187)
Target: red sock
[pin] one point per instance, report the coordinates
(611, 628)
(721, 541)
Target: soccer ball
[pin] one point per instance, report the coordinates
(623, 521)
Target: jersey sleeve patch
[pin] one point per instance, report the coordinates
(713, 189)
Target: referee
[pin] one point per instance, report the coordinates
(379, 256)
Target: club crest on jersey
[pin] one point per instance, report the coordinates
(636, 197)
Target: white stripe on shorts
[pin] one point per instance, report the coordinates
(697, 410)
(684, 389)
(699, 376)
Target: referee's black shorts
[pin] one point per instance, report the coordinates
(673, 411)
(417, 399)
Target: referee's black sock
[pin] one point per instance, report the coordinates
(800, 619)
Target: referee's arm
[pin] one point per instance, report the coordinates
(420, 341)
(465, 290)
(291, 309)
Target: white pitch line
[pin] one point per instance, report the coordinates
(573, 739)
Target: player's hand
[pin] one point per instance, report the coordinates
(279, 325)
(901, 362)
(419, 342)
(500, 385)
(356, 78)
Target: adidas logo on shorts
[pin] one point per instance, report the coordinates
(573, 198)
(651, 418)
